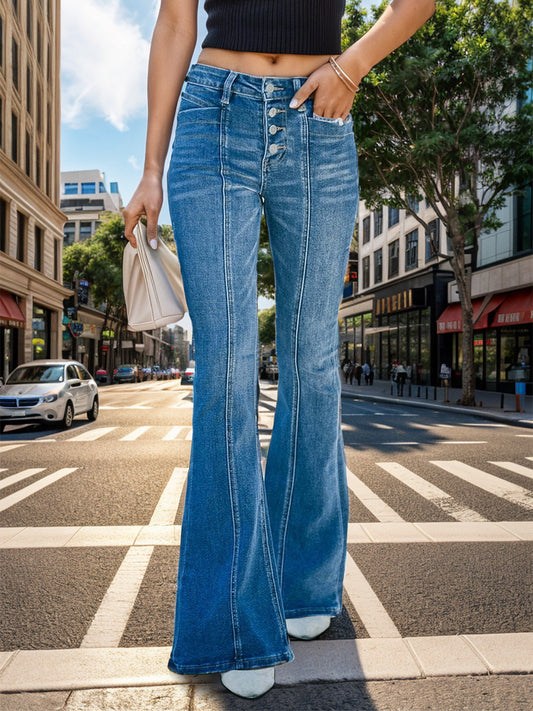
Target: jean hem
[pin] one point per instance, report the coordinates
(232, 665)
(312, 611)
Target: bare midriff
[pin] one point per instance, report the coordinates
(263, 65)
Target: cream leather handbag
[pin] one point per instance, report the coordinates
(152, 284)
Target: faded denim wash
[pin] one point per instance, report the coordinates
(255, 551)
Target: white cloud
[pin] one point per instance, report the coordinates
(132, 160)
(104, 60)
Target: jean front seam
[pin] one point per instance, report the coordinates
(229, 390)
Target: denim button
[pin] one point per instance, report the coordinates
(274, 129)
(269, 87)
(273, 111)
(273, 148)
(301, 108)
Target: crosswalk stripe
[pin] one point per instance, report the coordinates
(367, 604)
(91, 434)
(481, 424)
(13, 499)
(135, 434)
(189, 434)
(7, 447)
(173, 432)
(140, 406)
(113, 614)
(377, 507)
(516, 468)
(166, 509)
(432, 493)
(382, 427)
(493, 484)
(15, 478)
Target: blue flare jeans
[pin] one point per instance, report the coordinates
(256, 550)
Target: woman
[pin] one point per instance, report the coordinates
(263, 125)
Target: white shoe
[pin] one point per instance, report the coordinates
(249, 683)
(308, 627)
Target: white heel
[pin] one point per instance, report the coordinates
(308, 627)
(249, 683)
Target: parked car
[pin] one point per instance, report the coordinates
(187, 376)
(145, 374)
(126, 374)
(101, 375)
(50, 391)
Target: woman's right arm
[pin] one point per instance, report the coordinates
(173, 43)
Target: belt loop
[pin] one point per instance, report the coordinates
(228, 83)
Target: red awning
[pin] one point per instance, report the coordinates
(10, 313)
(517, 308)
(451, 319)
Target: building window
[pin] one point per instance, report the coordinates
(39, 44)
(394, 216)
(57, 260)
(85, 230)
(48, 180)
(88, 188)
(378, 266)
(15, 4)
(413, 202)
(48, 62)
(3, 225)
(15, 62)
(69, 232)
(41, 332)
(28, 153)
(394, 258)
(1, 41)
(366, 272)
(48, 125)
(29, 19)
(21, 236)
(411, 250)
(1, 123)
(523, 221)
(39, 248)
(432, 240)
(366, 229)
(39, 109)
(378, 221)
(38, 166)
(14, 137)
(101, 188)
(70, 189)
(28, 89)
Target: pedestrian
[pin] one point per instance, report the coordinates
(371, 375)
(358, 373)
(366, 373)
(346, 370)
(400, 377)
(352, 372)
(263, 124)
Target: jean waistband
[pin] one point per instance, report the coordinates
(266, 87)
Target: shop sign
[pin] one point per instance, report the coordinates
(76, 328)
(396, 302)
(108, 334)
(127, 344)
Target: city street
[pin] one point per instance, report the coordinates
(440, 548)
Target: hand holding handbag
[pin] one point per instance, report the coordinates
(152, 284)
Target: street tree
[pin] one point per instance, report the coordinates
(448, 116)
(267, 326)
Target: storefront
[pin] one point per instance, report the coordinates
(12, 323)
(503, 330)
(395, 327)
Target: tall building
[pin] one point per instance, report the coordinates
(84, 197)
(31, 223)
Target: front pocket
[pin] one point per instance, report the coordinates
(201, 97)
(337, 121)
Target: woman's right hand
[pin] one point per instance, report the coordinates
(147, 200)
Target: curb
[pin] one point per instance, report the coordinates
(474, 412)
(368, 659)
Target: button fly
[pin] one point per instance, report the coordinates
(273, 111)
(270, 87)
(274, 129)
(273, 149)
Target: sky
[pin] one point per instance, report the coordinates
(104, 60)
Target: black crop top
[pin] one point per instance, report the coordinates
(275, 26)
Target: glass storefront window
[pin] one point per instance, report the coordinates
(491, 352)
(515, 361)
(403, 337)
(424, 368)
(40, 332)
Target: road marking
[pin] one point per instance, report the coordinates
(382, 427)
(167, 507)
(7, 447)
(13, 499)
(173, 432)
(377, 507)
(392, 444)
(189, 434)
(516, 468)
(112, 616)
(14, 478)
(140, 406)
(455, 441)
(493, 484)
(182, 404)
(135, 434)
(92, 434)
(521, 435)
(481, 424)
(367, 604)
(432, 493)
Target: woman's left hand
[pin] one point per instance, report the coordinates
(332, 99)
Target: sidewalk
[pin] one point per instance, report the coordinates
(489, 404)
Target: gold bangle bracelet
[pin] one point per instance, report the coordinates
(339, 71)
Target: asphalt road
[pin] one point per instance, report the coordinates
(423, 467)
